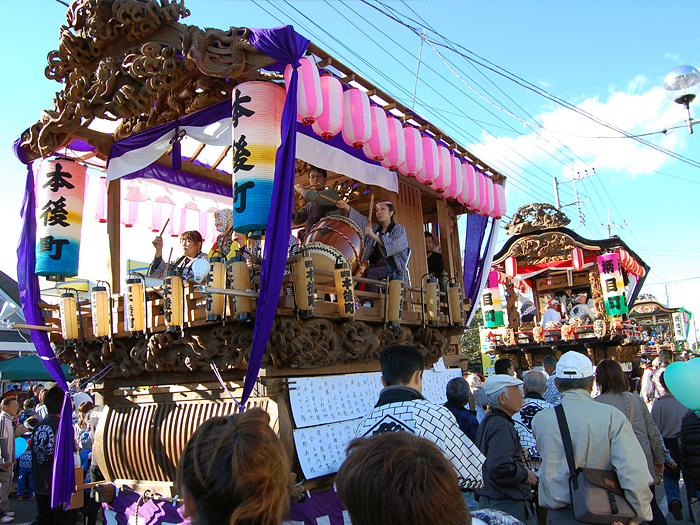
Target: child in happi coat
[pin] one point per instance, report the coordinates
(25, 484)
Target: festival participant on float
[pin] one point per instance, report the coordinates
(191, 243)
(435, 265)
(550, 313)
(386, 244)
(234, 470)
(316, 206)
(581, 310)
(225, 245)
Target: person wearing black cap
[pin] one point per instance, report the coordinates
(319, 199)
(435, 264)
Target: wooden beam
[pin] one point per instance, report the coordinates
(221, 157)
(197, 152)
(114, 233)
(445, 240)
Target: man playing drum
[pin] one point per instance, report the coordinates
(319, 200)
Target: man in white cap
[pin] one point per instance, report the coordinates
(507, 480)
(601, 436)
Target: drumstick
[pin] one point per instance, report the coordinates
(371, 209)
(330, 199)
(164, 225)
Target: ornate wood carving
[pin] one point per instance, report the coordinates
(132, 60)
(293, 343)
(512, 305)
(597, 292)
(534, 217)
(541, 247)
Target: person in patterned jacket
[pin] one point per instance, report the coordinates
(402, 408)
(535, 384)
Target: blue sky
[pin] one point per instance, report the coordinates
(608, 58)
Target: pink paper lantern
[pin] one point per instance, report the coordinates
(414, 152)
(101, 203)
(511, 267)
(397, 151)
(379, 144)
(431, 166)
(357, 119)
(330, 121)
(483, 195)
(162, 211)
(442, 181)
(130, 213)
(309, 96)
(577, 258)
(500, 208)
(470, 186)
(455, 187)
(491, 196)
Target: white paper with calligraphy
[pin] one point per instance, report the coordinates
(328, 399)
(321, 449)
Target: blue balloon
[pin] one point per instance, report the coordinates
(20, 446)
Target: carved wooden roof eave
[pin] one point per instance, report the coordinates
(601, 245)
(511, 248)
(100, 32)
(659, 309)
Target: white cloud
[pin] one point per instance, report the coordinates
(635, 111)
(675, 57)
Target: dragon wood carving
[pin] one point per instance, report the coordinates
(292, 344)
(541, 246)
(133, 60)
(535, 217)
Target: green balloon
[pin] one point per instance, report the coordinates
(683, 380)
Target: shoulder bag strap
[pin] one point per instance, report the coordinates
(566, 438)
(631, 408)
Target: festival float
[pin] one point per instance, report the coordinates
(598, 279)
(663, 327)
(206, 120)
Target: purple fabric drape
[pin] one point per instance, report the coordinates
(476, 289)
(182, 179)
(206, 116)
(476, 227)
(63, 482)
(284, 45)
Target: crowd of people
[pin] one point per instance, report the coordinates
(35, 422)
(416, 462)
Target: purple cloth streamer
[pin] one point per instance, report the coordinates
(476, 227)
(182, 179)
(122, 510)
(63, 479)
(476, 290)
(285, 45)
(200, 118)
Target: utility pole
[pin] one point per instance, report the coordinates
(576, 177)
(612, 225)
(667, 300)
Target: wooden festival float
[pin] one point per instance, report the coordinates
(558, 264)
(663, 327)
(158, 349)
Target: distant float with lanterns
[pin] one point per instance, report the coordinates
(220, 122)
(583, 293)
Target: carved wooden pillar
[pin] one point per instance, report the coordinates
(114, 233)
(512, 305)
(596, 292)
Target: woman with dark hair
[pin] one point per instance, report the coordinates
(615, 392)
(386, 243)
(191, 243)
(398, 478)
(234, 470)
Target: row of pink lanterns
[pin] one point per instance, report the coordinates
(163, 211)
(330, 109)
